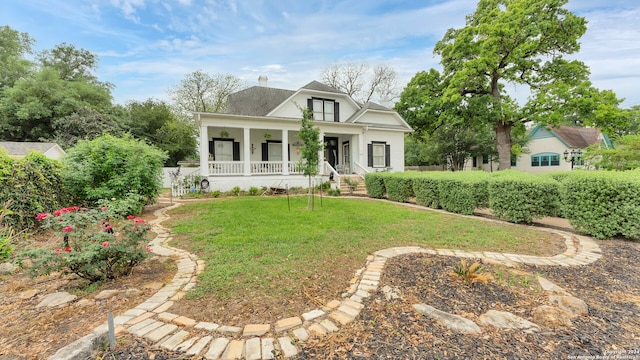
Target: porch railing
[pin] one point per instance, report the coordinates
(328, 169)
(359, 169)
(226, 167)
(255, 167)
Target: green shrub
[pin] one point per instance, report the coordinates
(426, 190)
(216, 193)
(33, 184)
(399, 186)
(235, 191)
(6, 233)
(91, 248)
(374, 182)
(253, 191)
(456, 195)
(603, 204)
(333, 192)
(109, 167)
(352, 184)
(520, 197)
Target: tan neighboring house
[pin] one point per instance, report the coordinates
(21, 149)
(255, 142)
(551, 149)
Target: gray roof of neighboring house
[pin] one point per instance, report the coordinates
(24, 148)
(577, 137)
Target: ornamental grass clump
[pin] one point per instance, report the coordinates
(93, 244)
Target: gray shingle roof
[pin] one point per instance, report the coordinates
(318, 86)
(256, 100)
(24, 148)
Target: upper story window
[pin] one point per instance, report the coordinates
(545, 159)
(324, 109)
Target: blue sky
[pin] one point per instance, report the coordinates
(146, 46)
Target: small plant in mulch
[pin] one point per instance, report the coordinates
(92, 247)
(470, 274)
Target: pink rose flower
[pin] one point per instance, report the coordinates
(67, 249)
(67, 228)
(58, 251)
(139, 220)
(130, 217)
(42, 216)
(105, 244)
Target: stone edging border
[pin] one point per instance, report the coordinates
(151, 320)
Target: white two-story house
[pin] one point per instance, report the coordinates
(255, 142)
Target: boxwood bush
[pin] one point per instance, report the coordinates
(456, 195)
(399, 186)
(374, 182)
(425, 188)
(603, 204)
(520, 197)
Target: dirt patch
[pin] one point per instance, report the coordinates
(36, 333)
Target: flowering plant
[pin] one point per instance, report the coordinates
(93, 246)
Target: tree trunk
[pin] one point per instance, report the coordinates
(503, 145)
(310, 194)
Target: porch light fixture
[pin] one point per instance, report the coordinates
(253, 148)
(575, 157)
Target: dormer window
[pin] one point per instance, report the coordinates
(324, 109)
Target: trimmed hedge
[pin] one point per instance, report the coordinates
(374, 182)
(603, 204)
(426, 190)
(520, 197)
(399, 187)
(456, 195)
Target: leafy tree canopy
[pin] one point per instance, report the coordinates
(523, 42)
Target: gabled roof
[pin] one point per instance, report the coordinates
(256, 100)
(318, 86)
(24, 148)
(576, 137)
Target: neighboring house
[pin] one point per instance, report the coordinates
(21, 149)
(547, 147)
(256, 143)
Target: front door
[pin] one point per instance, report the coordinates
(331, 150)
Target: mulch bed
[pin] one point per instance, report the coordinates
(393, 330)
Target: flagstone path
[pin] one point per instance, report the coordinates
(153, 320)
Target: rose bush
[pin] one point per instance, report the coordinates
(95, 245)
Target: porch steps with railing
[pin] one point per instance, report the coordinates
(344, 187)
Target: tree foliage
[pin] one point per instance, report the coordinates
(110, 167)
(363, 83)
(202, 92)
(154, 122)
(523, 42)
(447, 129)
(625, 156)
(14, 45)
(310, 149)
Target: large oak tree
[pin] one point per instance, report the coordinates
(522, 42)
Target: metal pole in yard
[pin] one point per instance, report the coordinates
(288, 200)
(112, 331)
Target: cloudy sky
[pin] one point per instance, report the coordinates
(146, 46)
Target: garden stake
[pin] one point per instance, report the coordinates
(112, 332)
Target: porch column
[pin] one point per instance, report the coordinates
(246, 146)
(285, 152)
(204, 150)
(321, 153)
(362, 155)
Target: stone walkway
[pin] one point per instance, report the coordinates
(153, 320)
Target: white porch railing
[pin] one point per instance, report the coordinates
(359, 169)
(226, 167)
(266, 167)
(328, 169)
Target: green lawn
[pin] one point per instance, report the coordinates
(257, 243)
